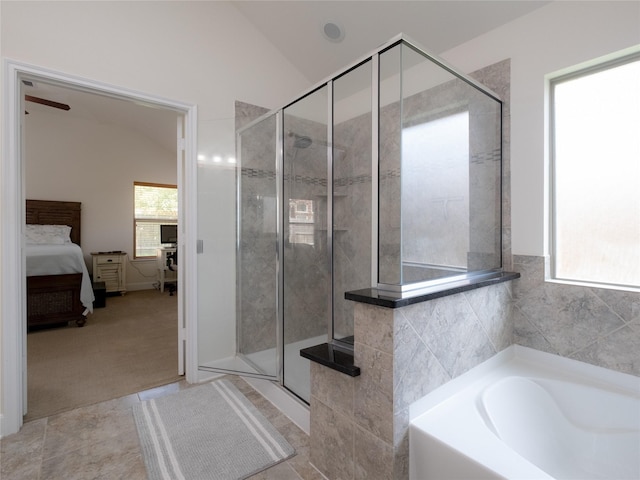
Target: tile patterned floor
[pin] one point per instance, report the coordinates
(101, 442)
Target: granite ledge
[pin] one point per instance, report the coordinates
(373, 296)
(331, 357)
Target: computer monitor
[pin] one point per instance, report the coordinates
(169, 234)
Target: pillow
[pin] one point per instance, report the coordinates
(47, 234)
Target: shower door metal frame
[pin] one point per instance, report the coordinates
(278, 327)
(280, 245)
(330, 207)
(429, 286)
(391, 290)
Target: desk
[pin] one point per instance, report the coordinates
(165, 257)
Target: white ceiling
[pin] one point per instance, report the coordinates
(295, 28)
(156, 124)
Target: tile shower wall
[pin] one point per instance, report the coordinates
(305, 262)
(307, 287)
(593, 325)
(435, 201)
(359, 426)
(351, 216)
(497, 77)
(306, 296)
(390, 184)
(450, 199)
(257, 230)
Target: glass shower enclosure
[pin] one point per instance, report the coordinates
(386, 176)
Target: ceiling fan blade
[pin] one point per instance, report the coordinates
(48, 103)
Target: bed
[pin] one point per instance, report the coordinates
(58, 284)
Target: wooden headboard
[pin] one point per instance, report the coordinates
(49, 212)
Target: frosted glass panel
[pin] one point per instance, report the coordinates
(440, 172)
(435, 196)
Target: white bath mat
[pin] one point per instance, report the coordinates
(207, 432)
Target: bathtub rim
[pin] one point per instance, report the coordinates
(516, 357)
(453, 457)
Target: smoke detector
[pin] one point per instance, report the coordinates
(333, 31)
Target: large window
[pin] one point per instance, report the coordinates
(155, 205)
(596, 175)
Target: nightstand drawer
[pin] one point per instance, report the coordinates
(105, 259)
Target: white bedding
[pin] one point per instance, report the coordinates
(45, 259)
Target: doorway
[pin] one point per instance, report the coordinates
(71, 138)
(14, 195)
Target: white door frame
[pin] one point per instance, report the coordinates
(12, 215)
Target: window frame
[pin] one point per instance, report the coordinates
(552, 274)
(149, 220)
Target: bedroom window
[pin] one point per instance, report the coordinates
(155, 205)
(595, 120)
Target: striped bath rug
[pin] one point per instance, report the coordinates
(207, 432)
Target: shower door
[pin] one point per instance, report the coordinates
(246, 341)
(258, 327)
(306, 256)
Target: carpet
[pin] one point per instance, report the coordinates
(207, 432)
(129, 346)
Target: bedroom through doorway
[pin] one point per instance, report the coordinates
(89, 147)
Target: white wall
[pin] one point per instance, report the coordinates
(78, 159)
(197, 52)
(553, 38)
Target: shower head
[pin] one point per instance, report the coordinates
(301, 141)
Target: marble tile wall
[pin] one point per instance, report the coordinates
(408, 352)
(352, 182)
(594, 325)
(390, 186)
(256, 276)
(351, 216)
(453, 206)
(306, 268)
(497, 77)
(359, 426)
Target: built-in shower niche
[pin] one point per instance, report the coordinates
(439, 174)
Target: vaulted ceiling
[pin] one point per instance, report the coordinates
(298, 29)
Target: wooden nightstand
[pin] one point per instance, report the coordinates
(110, 268)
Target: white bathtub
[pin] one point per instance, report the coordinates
(526, 414)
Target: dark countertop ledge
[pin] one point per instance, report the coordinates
(380, 298)
(329, 356)
(337, 359)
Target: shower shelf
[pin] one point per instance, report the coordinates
(331, 357)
